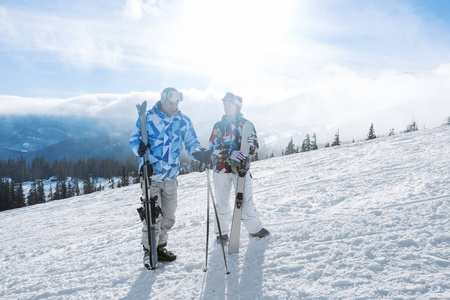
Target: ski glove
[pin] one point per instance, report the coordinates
(251, 141)
(149, 169)
(202, 155)
(143, 148)
(238, 156)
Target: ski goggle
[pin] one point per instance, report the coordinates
(233, 98)
(174, 96)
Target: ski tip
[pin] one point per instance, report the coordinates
(142, 106)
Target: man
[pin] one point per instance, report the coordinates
(168, 129)
(225, 144)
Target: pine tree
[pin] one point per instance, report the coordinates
(21, 170)
(412, 127)
(336, 142)
(5, 203)
(63, 188)
(12, 195)
(371, 134)
(447, 121)
(290, 149)
(32, 194)
(19, 196)
(89, 186)
(40, 193)
(50, 194)
(76, 187)
(314, 142)
(125, 179)
(70, 189)
(57, 193)
(306, 145)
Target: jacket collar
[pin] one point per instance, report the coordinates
(235, 119)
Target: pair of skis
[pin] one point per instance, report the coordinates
(149, 202)
(233, 245)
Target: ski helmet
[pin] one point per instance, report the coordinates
(230, 97)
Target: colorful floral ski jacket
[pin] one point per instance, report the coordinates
(226, 138)
(166, 135)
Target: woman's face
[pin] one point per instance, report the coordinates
(230, 108)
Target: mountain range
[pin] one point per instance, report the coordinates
(55, 137)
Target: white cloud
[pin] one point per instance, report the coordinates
(136, 9)
(342, 100)
(443, 70)
(133, 9)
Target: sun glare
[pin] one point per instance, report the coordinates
(227, 38)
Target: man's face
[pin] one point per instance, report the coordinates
(170, 107)
(230, 108)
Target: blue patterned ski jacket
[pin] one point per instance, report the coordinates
(166, 135)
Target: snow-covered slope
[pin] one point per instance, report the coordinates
(366, 220)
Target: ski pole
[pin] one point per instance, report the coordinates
(207, 230)
(217, 220)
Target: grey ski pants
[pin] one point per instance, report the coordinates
(167, 192)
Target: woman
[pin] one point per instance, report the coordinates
(225, 144)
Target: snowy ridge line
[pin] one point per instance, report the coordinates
(414, 202)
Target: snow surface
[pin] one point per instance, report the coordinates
(362, 221)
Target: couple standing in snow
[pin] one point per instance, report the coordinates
(167, 130)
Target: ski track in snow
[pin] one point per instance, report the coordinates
(364, 220)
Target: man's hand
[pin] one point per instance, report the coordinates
(143, 148)
(149, 169)
(202, 155)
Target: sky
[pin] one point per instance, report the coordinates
(329, 64)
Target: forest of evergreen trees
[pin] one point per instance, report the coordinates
(311, 144)
(83, 176)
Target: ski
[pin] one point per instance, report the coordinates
(233, 245)
(151, 212)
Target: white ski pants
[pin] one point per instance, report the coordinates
(167, 192)
(222, 186)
